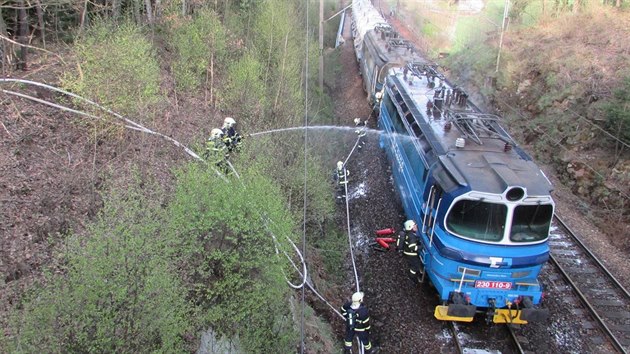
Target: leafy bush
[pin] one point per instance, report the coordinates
(117, 67)
(200, 44)
(618, 111)
(244, 92)
(225, 248)
(120, 291)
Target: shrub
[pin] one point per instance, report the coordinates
(120, 291)
(226, 251)
(618, 111)
(117, 67)
(200, 45)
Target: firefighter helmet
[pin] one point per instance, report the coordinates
(357, 297)
(229, 122)
(339, 165)
(409, 224)
(216, 133)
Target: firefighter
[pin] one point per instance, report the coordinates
(341, 177)
(361, 131)
(408, 243)
(231, 138)
(357, 320)
(216, 150)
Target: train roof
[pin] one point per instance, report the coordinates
(472, 146)
(366, 18)
(386, 46)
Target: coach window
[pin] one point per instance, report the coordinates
(531, 223)
(478, 220)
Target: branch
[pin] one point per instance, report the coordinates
(130, 124)
(32, 47)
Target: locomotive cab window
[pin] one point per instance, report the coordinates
(531, 223)
(478, 220)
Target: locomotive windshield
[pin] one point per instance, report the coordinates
(531, 223)
(484, 221)
(477, 219)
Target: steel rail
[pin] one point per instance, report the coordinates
(588, 305)
(592, 255)
(458, 344)
(517, 344)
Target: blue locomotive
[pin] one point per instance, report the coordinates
(484, 206)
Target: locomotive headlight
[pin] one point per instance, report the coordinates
(515, 193)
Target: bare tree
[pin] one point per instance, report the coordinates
(22, 35)
(4, 47)
(149, 10)
(116, 9)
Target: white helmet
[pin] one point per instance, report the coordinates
(216, 133)
(357, 297)
(357, 121)
(339, 165)
(229, 122)
(409, 224)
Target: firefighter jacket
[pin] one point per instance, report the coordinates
(342, 176)
(231, 138)
(408, 240)
(356, 319)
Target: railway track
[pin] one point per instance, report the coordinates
(606, 301)
(477, 338)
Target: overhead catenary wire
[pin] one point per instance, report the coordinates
(306, 45)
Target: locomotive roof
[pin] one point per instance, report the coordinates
(484, 163)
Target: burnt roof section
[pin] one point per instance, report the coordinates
(440, 116)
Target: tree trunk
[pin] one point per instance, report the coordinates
(83, 14)
(40, 21)
(136, 5)
(4, 53)
(158, 9)
(212, 78)
(149, 10)
(115, 10)
(23, 35)
(280, 82)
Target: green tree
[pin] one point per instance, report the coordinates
(200, 44)
(117, 67)
(226, 251)
(244, 91)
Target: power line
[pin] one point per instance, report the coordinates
(306, 42)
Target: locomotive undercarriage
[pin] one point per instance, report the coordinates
(459, 309)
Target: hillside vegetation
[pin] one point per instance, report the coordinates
(118, 241)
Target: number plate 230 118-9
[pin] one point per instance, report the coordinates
(490, 284)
